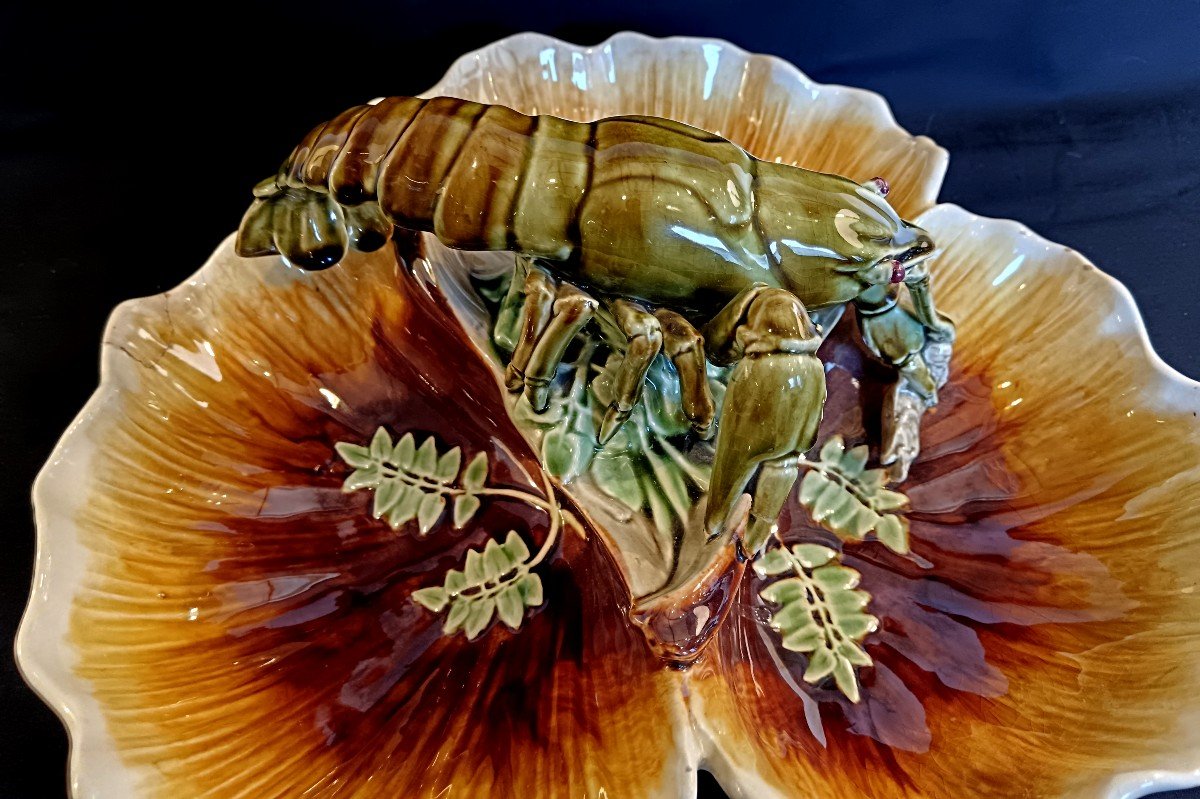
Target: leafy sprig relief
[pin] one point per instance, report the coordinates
(851, 501)
(417, 482)
(820, 612)
(496, 581)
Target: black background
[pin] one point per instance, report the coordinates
(129, 139)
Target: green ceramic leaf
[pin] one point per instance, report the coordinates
(475, 474)
(811, 486)
(832, 451)
(434, 598)
(568, 448)
(514, 545)
(381, 445)
(852, 652)
(813, 555)
(386, 497)
(660, 510)
(362, 478)
(524, 414)
(447, 466)
(405, 451)
(480, 614)
(849, 602)
(821, 665)
(531, 589)
(857, 626)
(833, 578)
(872, 480)
(353, 454)
(805, 639)
(473, 570)
(662, 399)
(455, 581)
(845, 677)
(849, 500)
(465, 506)
(429, 511)
(406, 508)
(669, 479)
(458, 614)
(854, 461)
(617, 477)
(566, 453)
(771, 562)
(425, 462)
(890, 500)
(820, 612)
(496, 560)
(510, 606)
(892, 531)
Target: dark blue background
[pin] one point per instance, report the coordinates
(129, 138)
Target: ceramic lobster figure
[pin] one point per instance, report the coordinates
(692, 246)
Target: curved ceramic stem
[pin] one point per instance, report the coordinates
(551, 508)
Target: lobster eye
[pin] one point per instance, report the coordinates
(898, 271)
(878, 185)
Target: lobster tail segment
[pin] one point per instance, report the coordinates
(308, 227)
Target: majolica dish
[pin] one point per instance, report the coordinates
(306, 540)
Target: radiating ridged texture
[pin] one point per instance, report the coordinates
(758, 102)
(1052, 638)
(248, 626)
(476, 175)
(1041, 639)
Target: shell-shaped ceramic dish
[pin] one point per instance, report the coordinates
(214, 616)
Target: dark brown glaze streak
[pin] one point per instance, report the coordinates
(510, 233)
(328, 145)
(478, 193)
(340, 684)
(293, 167)
(574, 236)
(413, 173)
(353, 176)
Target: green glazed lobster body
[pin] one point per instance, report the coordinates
(689, 245)
(633, 206)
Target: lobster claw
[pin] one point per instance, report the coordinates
(367, 227)
(255, 235)
(772, 410)
(309, 228)
(311, 232)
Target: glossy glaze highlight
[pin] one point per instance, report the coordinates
(1039, 640)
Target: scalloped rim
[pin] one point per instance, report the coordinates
(42, 652)
(869, 100)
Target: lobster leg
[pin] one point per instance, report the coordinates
(508, 317)
(900, 338)
(772, 407)
(918, 281)
(721, 332)
(685, 347)
(535, 316)
(571, 310)
(642, 331)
